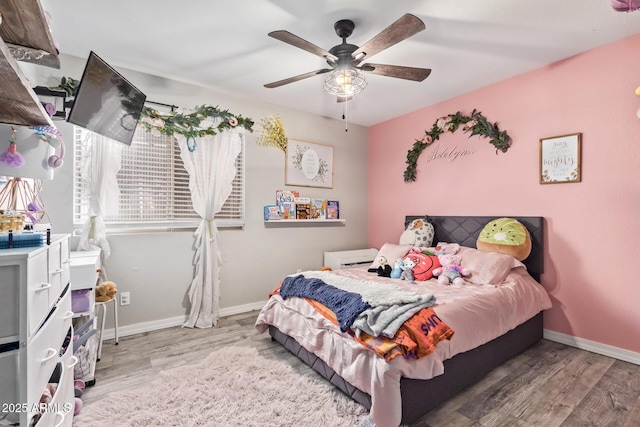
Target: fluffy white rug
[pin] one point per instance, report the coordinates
(233, 386)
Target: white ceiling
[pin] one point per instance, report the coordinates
(223, 44)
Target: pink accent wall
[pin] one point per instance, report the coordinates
(592, 227)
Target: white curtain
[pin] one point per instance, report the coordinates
(100, 164)
(210, 162)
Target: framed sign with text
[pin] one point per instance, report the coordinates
(309, 164)
(560, 159)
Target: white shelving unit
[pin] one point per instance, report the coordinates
(36, 336)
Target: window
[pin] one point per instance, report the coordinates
(154, 186)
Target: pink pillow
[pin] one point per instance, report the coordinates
(391, 252)
(487, 268)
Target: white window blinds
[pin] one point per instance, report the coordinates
(154, 186)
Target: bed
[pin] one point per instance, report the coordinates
(401, 390)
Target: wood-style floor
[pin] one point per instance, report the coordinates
(548, 385)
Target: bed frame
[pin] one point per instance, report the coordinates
(421, 396)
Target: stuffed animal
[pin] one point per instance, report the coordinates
(418, 233)
(407, 270)
(396, 271)
(451, 270)
(384, 269)
(105, 291)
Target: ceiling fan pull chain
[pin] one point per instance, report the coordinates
(344, 115)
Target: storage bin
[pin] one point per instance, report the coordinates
(21, 240)
(81, 300)
(11, 222)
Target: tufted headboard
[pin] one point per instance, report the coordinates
(465, 230)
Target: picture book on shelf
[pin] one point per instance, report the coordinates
(271, 212)
(303, 210)
(333, 209)
(286, 196)
(287, 210)
(318, 208)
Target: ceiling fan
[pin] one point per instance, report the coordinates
(346, 78)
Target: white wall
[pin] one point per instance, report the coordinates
(156, 268)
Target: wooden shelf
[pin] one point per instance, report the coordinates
(303, 222)
(19, 104)
(25, 36)
(25, 30)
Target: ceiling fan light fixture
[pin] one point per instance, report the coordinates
(345, 82)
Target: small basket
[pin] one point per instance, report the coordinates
(11, 222)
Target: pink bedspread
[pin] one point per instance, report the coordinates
(477, 314)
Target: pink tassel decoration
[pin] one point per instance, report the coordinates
(11, 158)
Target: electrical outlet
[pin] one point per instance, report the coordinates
(125, 298)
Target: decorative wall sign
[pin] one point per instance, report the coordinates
(473, 124)
(309, 164)
(560, 159)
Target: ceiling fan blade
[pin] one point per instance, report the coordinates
(344, 98)
(403, 28)
(296, 78)
(292, 39)
(397, 71)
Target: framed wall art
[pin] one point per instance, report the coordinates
(560, 159)
(309, 164)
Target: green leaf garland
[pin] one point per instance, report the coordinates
(189, 124)
(474, 124)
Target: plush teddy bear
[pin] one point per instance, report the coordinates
(451, 270)
(407, 270)
(396, 271)
(105, 291)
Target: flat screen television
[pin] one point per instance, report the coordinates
(106, 103)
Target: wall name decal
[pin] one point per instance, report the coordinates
(475, 124)
(450, 153)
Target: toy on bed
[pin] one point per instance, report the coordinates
(418, 233)
(506, 236)
(396, 271)
(407, 270)
(384, 269)
(450, 272)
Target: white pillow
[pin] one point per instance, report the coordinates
(390, 252)
(487, 268)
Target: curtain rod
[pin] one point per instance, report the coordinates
(173, 107)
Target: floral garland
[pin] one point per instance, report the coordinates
(188, 124)
(475, 123)
(272, 134)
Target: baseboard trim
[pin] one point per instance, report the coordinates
(594, 347)
(154, 325)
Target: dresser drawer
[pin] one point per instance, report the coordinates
(45, 347)
(39, 292)
(57, 270)
(9, 303)
(59, 412)
(9, 380)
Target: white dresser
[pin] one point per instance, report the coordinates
(36, 335)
